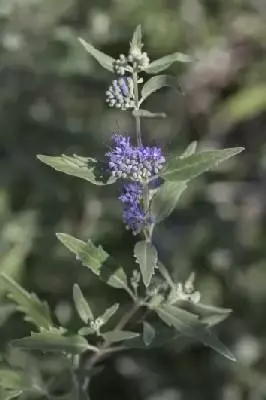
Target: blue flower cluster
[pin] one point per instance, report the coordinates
(138, 164)
(133, 214)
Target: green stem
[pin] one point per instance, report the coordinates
(121, 324)
(136, 116)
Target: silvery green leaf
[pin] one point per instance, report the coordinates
(165, 273)
(165, 199)
(86, 168)
(118, 336)
(185, 169)
(210, 315)
(155, 83)
(109, 313)
(82, 305)
(28, 303)
(148, 333)
(136, 42)
(147, 257)
(163, 63)
(85, 331)
(103, 59)
(97, 260)
(190, 150)
(189, 325)
(54, 342)
(147, 114)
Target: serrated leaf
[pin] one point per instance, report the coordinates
(155, 83)
(109, 313)
(118, 336)
(209, 315)
(147, 114)
(191, 149)
(165, 199)
(53, 342)
(147, 257)
(35, 311)
(148, 333)
(97, 260)
(184, 169)
(103, 59)
(82, 305)
(86, 168)
(136, 41)
(189, 325)
(163, 63)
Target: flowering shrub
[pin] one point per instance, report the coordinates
(152, 186)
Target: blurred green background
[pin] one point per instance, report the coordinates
(52, 102)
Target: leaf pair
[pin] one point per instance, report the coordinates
(154, 67)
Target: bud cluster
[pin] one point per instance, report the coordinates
(138, 59)
(120, 93)
(121, 65)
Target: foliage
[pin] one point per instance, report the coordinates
(48, 103)
(148, 161)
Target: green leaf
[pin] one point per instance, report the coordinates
(82, 167)
(82, 305)
(190, 150)
(85, 331)
(163, 63)
(97, 260)
(103, 59)
(109, 313)
(155, 83)
(165, 199)
(35, 311)
(209, 315)
(189, 325)
(54, 342)
(136, 42)
(147, 114)
(147, 257)
(148, 333)
(118, 336)
(184, 169)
